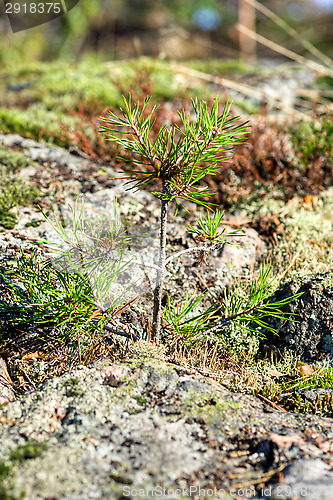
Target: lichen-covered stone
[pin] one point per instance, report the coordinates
(142, 424)
(309, 335)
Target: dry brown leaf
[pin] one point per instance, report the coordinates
(59, 414)
(22, 382)
(274, 373)
(323, 443)
(33, 355)
(304, 369)
(311, 199)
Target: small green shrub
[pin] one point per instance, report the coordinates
(61, 300)
(72, 294)
(68, 294)
(234, 319)
(179, 157)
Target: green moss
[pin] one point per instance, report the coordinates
(57, 86)
(141, 400)
(313, 140)
(6, 493)
(31, 449)
(5, 469)
(208, 407)
(286, 390)
(223, 67)
(126, 389)
(14, 160)
(72, 387)
(34, 223)
(27, 451)
(163, 369)
(120, 478)
(33, 123)
(133, 411)
(14, 191)
(302, 226)
(325, 82)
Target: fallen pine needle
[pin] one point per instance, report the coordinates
(274, 405)
(321, 245)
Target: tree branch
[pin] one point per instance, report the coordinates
(193, 249)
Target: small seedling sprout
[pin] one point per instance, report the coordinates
(179, 157)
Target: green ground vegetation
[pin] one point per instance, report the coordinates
(44, 107)
(50, 90)
(26, 451)
(282, 383)
(15, 191)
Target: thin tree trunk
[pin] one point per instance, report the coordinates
(156, 326)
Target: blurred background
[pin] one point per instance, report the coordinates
(169, 29)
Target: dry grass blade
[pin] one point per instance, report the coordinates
(321, 245)
(274, 405)
(316, 95)
(325, 108)
(257, 480)
(204, 284)
(225, 82)
(242, 88)
(4, 420)
(4, 376)
(320, 97)
(286, 52)
(291, 31)
(210, 44)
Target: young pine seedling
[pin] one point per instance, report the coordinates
(179, 157)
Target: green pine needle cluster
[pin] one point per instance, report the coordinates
(180, 156)
(248, 312)
(208, 228)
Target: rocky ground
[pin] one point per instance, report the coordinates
(110, 430)
(133, 426)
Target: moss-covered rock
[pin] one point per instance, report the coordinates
(136, 424)
(309, 336)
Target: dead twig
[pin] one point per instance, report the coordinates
(285, 52)
(321, 245)
(239, 87)
(274, 405)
